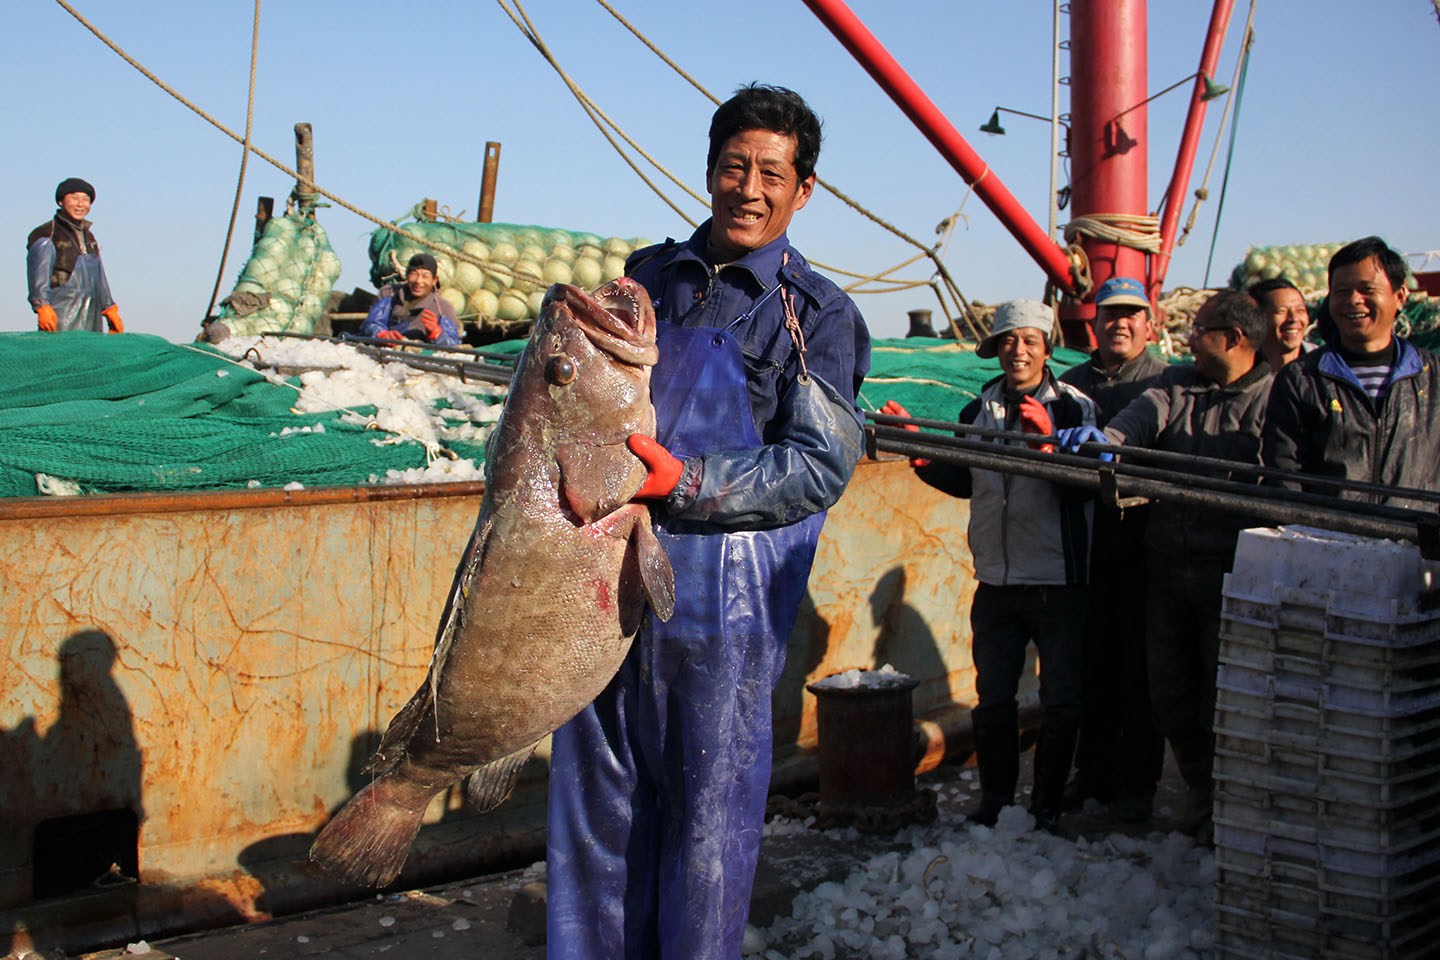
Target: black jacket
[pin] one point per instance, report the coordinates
(1321, 421)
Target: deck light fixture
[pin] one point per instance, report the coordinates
(992, 126)
(1117, 141)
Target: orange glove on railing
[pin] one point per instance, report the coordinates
(112, 317)
(1034, 418)
(664, 467)
(893, 409)
(432, 324)
(45, 318)
(389, 335)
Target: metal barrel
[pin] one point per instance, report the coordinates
(867, 742)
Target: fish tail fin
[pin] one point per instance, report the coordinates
(367, 841)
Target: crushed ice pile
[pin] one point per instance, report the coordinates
(432, 409)
(885, 678)
(1009, 893)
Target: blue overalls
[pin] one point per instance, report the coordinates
(657, 790)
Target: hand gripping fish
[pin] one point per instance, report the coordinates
(550, 589)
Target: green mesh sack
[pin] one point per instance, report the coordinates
(1421, 322)
(1304, 264)
(496, 274)
(286, 283)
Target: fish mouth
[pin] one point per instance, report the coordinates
(618, 318)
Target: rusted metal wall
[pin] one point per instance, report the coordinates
(222, 664)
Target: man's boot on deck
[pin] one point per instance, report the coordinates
(997, 755)
(1195, 756)
(1054, 753)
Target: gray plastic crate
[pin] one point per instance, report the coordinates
(1309, 812)
(1250, 933)
(1324, 898)
(1357, 778)
(1358, 700)
(1308, 642)
(1248, 721)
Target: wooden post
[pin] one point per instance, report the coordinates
(264, 210)
(429, 211)
(304, 164)
(487, 182)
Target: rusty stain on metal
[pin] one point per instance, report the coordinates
(221, 664)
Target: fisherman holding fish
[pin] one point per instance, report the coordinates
(658, 788)
(414, 310)
(68, 289)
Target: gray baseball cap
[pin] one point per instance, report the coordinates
(1013, 315)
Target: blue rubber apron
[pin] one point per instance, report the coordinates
(657, 790)
(79, 300)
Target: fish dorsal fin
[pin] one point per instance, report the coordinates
(487, 788)
(450, 622)
(391, 751)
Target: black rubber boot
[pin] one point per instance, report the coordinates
(1195, 756)
(997, 755)
(1053, 754)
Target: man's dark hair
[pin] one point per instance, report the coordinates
(1257, 290)
(1231, 308)
(760, 106)
(1358, 251)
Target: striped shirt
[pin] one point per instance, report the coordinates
(1372, 369)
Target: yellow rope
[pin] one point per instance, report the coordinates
(596, 115)
(1202, 192)
(283, 168)
(1140, 231)
(927, 251)
(522, 22)
(244, 159)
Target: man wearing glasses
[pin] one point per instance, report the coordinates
(1214, 408)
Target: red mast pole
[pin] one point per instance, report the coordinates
(1107, 151)
(921, 110)
(1189, 142)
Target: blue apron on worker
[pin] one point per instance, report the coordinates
(79, 300)
(657, 790)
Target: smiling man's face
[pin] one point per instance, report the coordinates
(755, 191)
(1364, 304)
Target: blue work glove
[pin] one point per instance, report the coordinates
(1071, 437)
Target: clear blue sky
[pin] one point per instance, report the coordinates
(1338, 133)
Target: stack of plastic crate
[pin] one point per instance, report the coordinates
(1327, 756)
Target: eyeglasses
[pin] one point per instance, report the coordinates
(1198, 331)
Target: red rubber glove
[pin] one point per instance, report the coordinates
(1034, 418)
(432, 324)
(664, 467)
(45, 318)
(389, 335)
(893, 409)
(112, 317)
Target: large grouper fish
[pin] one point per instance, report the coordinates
(550, 589)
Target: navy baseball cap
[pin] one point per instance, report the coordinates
(1122, 291)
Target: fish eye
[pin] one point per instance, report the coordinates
(560, 370)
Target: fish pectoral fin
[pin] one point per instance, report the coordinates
(487, 787)
(656, 576)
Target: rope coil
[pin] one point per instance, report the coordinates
(1136, 230)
